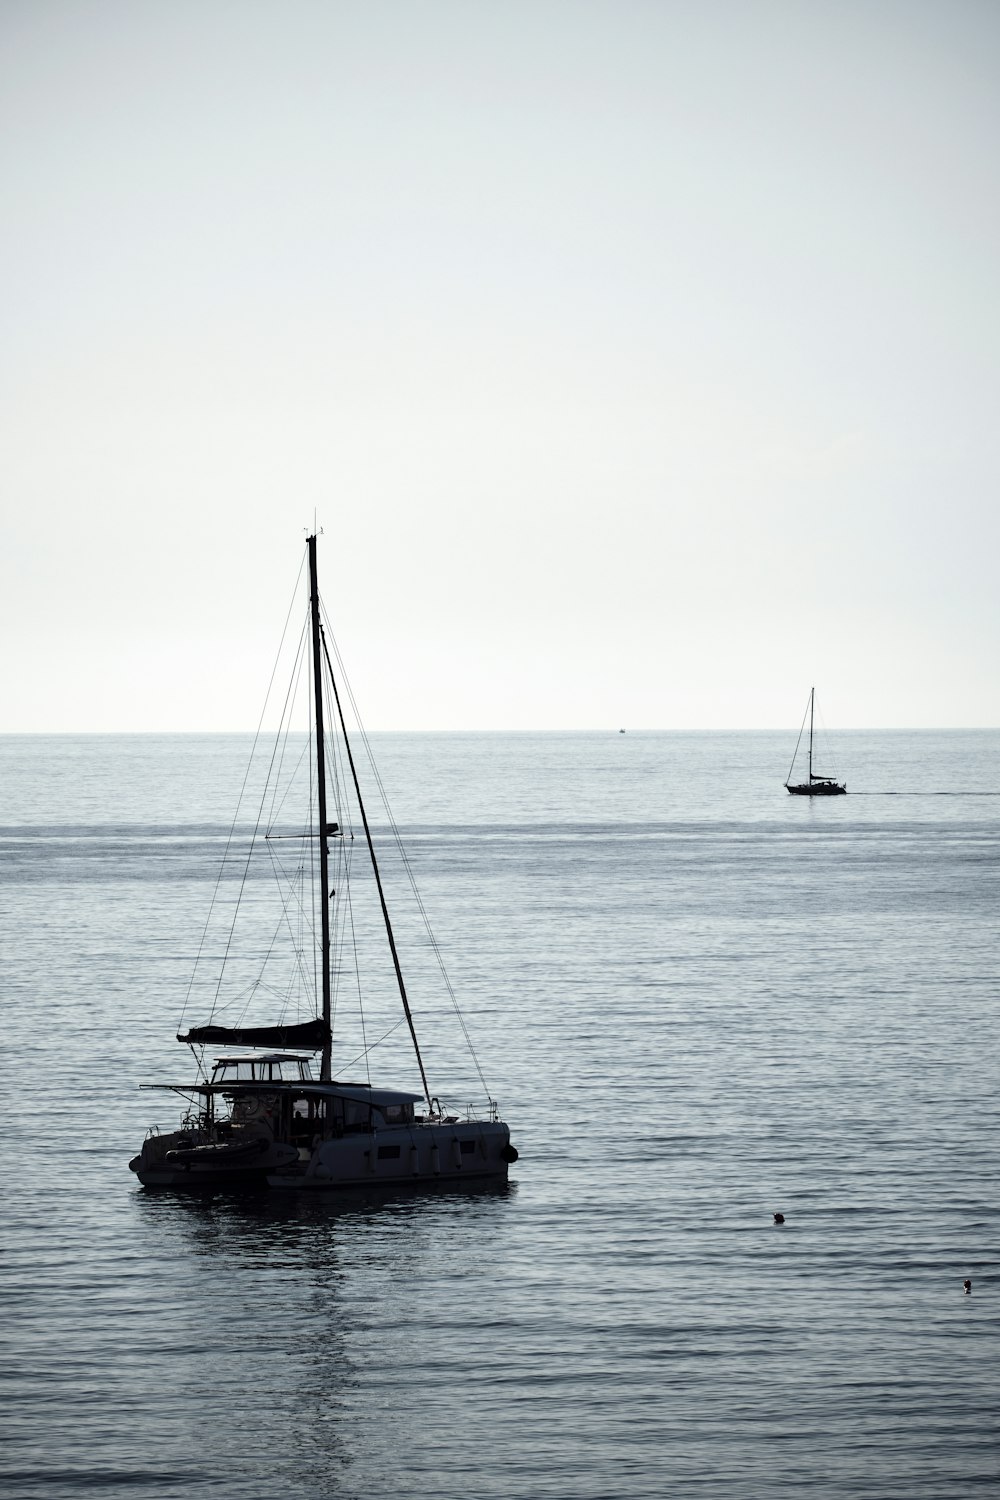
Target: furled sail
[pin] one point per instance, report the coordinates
(310, 1036)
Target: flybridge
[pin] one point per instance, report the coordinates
(274, 1067)
(283, 1068)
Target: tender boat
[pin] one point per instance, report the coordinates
(813, 786)
(262, 1117)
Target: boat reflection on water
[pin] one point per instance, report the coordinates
(284, 1321)
(243, 1212)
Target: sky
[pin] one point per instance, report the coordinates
(639, 361)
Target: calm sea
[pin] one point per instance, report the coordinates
(698, 1000)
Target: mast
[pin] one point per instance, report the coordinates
(812, 700)
(324, 848)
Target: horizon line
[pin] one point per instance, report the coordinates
(641, 729)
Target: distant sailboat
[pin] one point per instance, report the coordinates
(814, 786)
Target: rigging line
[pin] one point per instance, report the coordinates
(823, 740)
(310, 855)
(254, 838)
(435, 947)
(289, 887)
(232, 830)
(798, 742)
(436, 950)
(343, 933)
(322, 820)
(289, 882)
(346, 930)
(401, 849)
(407, 866)
(364, 1055)
(284, 733)
(340, 781)
(378, 878)
(344, 917)
(326, 756)
(340, 877)
(361, 1004)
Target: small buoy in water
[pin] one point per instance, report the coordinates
(779, 1218)
(968, 1286)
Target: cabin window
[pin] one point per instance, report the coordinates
(397, 1114)
(357, 1116)
(388, 1153)
(309, 1109)
(261, 1070)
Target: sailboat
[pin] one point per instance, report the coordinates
(814, 786)
(264, 1116)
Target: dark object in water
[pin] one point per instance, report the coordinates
(968, 1286)
(779, 1218)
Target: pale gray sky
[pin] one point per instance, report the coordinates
(641, 360)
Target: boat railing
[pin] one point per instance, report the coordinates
(492, 1112)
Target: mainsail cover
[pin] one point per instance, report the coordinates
(311, 1036)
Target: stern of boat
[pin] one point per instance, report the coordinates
(186, 1158)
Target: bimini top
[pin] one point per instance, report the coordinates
(263, 1057)
(365, 1095)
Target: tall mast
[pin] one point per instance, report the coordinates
(812, 700)
(324, 848)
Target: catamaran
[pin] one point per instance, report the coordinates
(262, 1117)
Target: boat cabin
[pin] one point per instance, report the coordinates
(278, 1089)
(386, 1106)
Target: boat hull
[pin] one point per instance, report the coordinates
(445, 1153)
(825, 789)
(449, 1152)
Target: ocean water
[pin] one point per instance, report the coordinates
(698, 1000)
